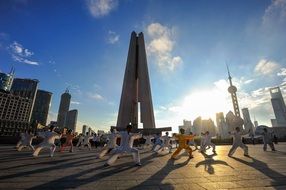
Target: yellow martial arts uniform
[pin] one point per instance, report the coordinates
(183, 144)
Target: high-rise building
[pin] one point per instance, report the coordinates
(6, 80)
(232, 90)
(71, 120)
(63, 108)
(222, 127)
(187, 126)
(84, 129)
(248, 125)
(197, 125)
(136, 91)
(279, 108)
(41, 107)
(25, 88)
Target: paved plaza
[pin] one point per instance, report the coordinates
(80, 170)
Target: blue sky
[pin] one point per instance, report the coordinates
(84, 45)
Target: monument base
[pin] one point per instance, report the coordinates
(146, 131)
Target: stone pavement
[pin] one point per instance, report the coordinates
(80, 170)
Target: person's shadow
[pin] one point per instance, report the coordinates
(209, 162)
(163, 172)
(278, 179)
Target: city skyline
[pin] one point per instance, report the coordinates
(83, 45)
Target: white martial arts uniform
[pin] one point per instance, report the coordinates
(207, 142)
(267, 139)
(80, 141)
(110, 145)
(166, 143)
(237, 142)
(49, 142)
(26, 142)
(86, 141)
(148, 140)
(126, 146)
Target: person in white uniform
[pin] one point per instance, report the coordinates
(26, 141)
(86, 140)
(237, 141)
(48, 142)
(207, 142)
(267, 140)
(126, 146)
(166, 143)
(148, 141)
(111, 144)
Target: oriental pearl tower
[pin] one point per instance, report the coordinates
(232, 90)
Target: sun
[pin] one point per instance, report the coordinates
(206, 103)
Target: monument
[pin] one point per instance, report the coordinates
(136, 90)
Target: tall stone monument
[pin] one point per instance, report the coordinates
(136, 91)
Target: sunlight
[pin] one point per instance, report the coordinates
(206, 103)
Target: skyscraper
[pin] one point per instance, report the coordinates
(71, 119)
(63, 108)
(136, 91)
(248, 125)
(221, 126)
(6, 80)
(279, 108)
(232, 90)
(41, 107)
(25, 88)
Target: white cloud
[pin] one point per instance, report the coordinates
(266, 67)
(161, 46)
(112, 37)
(100, 8)
(282, 72)
(95, 96)
(21, 54)
(275, 12)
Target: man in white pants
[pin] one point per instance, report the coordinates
(26, 141)
(49, 141)
(126, 146)
(86, 139)
(207, 142)
(237, 142)
(110, 145)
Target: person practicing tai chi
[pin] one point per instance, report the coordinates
(80, 140)
(126, 146)
(182, 138)
(111, 144)
(69, 138)
(166, 143)
(26, 141)
(192, 142)
(148, 141)
(85, 141)
(267, 140)
(48, 142)
(157, 142)
(207, 142)
(237, 141)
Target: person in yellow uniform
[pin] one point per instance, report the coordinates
(183, 144)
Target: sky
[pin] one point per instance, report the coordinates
(83, 45)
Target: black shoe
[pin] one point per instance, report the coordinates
(106, 165)
(138, 164)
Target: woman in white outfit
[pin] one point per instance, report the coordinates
(237, 142)
(110, 145)
(126, 146)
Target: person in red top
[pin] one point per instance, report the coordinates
(182, 138)
(69, 138)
